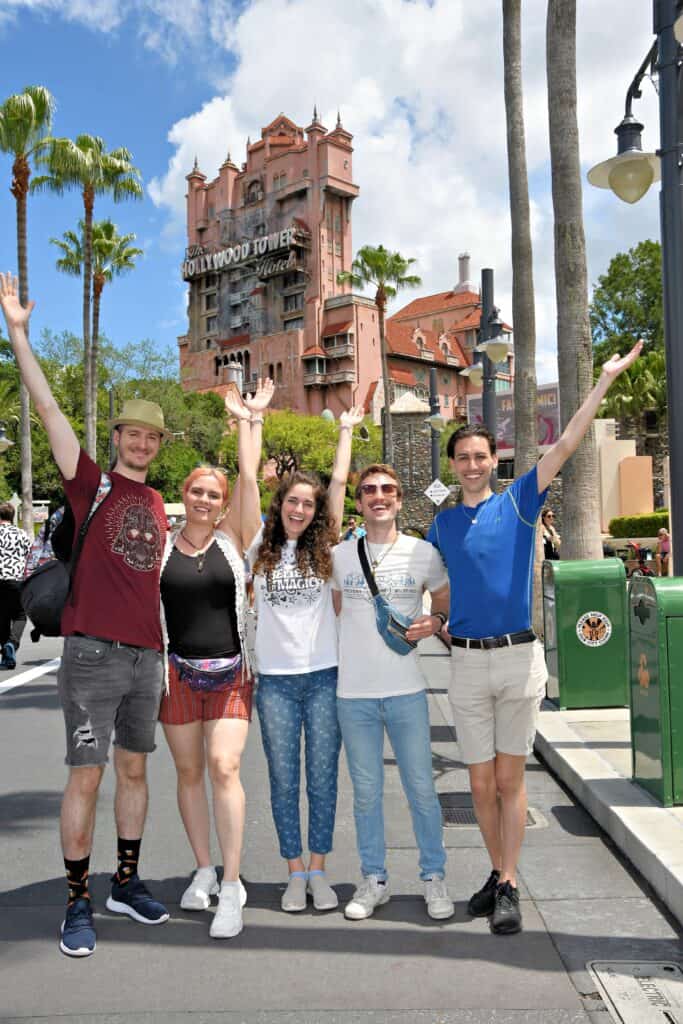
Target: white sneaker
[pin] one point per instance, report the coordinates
(227, 921)
(324, 896)
(198, 894)
(294, 896)
(439, 903)
(370, 893)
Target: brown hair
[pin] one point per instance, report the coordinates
(7, 512)
(379, 467)
(470, 430)
(314, 546)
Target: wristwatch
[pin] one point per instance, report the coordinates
(442, 619)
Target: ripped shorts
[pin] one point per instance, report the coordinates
(104, 688)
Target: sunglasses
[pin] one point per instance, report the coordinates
(374, 488)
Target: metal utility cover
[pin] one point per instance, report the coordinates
(640, 992)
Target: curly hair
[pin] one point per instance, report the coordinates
(314, 548)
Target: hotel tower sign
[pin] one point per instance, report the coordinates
(198, 261)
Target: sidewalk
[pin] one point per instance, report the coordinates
(581, 901)
(590, 751)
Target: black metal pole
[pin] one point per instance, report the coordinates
(489, 379)
(434, 411)
(671, 215)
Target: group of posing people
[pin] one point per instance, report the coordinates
(156, 628)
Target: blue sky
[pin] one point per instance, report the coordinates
(171, 78)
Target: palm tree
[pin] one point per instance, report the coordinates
(580, 502)
(112, 255)
(523, 311)
(25, 125)
(388, 273)
(86, 164)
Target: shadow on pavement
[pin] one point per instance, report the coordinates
(25, 810)
(41, 697)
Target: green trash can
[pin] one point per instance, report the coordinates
(586, 633)
(656, 674)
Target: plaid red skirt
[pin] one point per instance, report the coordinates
(182, 705)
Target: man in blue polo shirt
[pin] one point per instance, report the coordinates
(498, 669)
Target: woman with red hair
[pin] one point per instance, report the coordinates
(206, 709)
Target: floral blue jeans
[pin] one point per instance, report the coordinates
(286, 704)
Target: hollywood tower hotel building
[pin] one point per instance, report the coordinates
(265, 245)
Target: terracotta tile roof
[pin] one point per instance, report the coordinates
(338, 328)
(403, 377)
(401, 342)
(367, 404)
(238, 339)
(313, 350)
(439, 303)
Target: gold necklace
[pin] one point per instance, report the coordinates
(376, 562)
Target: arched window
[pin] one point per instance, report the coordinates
(278, 377)
(247, 366)
(271, 371)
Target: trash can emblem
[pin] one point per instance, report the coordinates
(594, 629)
(643, 673)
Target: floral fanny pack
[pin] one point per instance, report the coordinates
(208, 675)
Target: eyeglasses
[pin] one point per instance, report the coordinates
(374, 488)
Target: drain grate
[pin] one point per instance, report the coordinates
(457, 812)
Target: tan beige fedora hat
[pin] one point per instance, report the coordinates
(136, 412)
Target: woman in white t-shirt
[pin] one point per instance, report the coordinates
(296, 657)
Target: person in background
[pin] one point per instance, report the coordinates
(551, 538)
(15, 545)
(296, 655)
(663, 551)
(206, 709)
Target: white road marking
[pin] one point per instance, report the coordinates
(33, 673)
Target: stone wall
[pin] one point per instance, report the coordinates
(413, 463)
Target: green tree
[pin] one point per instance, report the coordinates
(641, 389)
(387, 272)
(85, 164)
(627, 302)
(112, 255)
(25, 126)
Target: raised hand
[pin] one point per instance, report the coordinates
(352, 417)
(617, 364)
(15, 314)
(235, 406)
(260, 400)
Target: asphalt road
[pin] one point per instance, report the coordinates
(580, 900)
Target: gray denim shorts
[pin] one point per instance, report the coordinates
(105, 687)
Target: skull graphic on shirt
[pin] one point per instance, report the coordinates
(139, 539)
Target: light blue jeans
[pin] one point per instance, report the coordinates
(286, 705)
(406, 720)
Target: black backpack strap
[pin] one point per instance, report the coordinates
(365, 566)
(103, 490)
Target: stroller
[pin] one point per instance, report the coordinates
(640, 555)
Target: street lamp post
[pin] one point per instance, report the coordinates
(629, 175)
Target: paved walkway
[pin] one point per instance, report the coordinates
(581, 901)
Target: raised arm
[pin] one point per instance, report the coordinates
(249, 416)
(342, 464)
(63, 441)
(573, 434)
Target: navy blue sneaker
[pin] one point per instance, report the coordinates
(78, 933)
(9, 656)
(135, 900)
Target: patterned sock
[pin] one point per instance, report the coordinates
(128, 852)
(77, 878)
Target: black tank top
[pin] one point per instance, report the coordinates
(201, 617)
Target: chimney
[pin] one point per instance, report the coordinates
(464, 284)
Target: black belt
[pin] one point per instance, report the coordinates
(112, 643)
(489, 643)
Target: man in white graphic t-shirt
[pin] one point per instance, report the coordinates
(380, 690)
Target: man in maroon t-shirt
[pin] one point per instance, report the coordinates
(111, 673)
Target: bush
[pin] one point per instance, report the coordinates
(639, 526)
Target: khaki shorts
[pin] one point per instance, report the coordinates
(496, 696)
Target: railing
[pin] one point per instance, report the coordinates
(314, 379)
(339, 351)
(342, 377)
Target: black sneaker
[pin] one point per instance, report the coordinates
(507, 918)
(78, 934)
(135, 900)
(483, 901)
